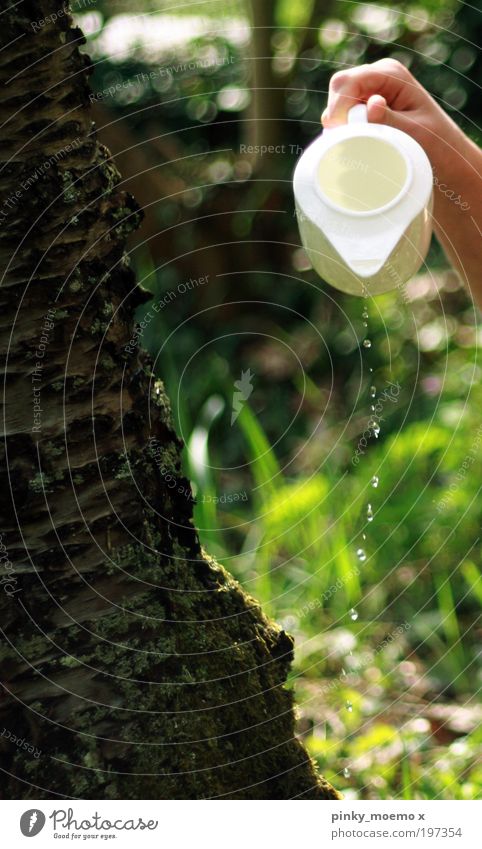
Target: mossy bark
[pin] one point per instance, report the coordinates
(132, 662)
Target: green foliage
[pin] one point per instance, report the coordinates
(416, 594)
(436, 40)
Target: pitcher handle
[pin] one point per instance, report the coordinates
(358, 114)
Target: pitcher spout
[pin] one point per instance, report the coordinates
(365, 267)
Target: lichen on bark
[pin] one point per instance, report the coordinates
(136, 664)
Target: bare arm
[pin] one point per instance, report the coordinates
(394, 97)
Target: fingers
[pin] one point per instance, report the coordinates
(387, 78)
(378, 112)
(377, 109)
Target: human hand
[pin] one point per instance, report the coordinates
(393, 96)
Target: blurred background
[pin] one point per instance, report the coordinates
(271, 385)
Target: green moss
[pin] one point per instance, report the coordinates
(162, 403)
(124, 470)
(98, 326)
(107, 363)
(40, 482)
(53, 450)
(70, 194)
(70, 662)
(166, 457)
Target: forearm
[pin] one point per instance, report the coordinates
(457, 165)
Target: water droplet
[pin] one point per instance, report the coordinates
(349, 707)
(361, 554)
(363, 536)
(346, 772)
(373, 391)
(367, 343)
(353, 614)
(364, 313)
(343, 673)
(374, 481)
(370, 369)
(369, 513)
(365, 324)
(374, 427)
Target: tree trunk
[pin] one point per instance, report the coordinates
(134, 666)
(264, 126)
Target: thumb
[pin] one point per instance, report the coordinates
(379, 112)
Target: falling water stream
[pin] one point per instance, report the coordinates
(374, 427)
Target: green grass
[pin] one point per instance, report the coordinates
(407, 662)
(411, 651)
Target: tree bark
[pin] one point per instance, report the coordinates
(264, 127)
(132, 663)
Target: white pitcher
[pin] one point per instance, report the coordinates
(363, 196)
